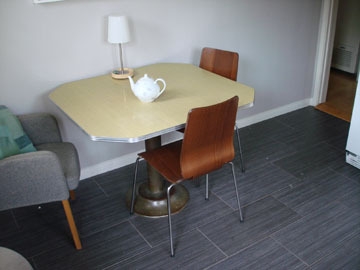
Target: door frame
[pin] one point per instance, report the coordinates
(325, 46)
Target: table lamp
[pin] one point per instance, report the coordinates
(118, 33)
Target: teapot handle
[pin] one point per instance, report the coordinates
(162, 90)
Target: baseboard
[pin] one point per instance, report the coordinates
(108, 165)
(130, 158)
(272, 113)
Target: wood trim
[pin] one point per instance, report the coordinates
(72, 195)
(72, 225)
(333, 111)
(324, 50)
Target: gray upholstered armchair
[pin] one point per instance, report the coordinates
(50, 174)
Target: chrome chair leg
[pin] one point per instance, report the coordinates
(134, 186)
(237, 193)
(169, 219)
(240, 150)
(207, 187)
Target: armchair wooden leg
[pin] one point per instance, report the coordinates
(72, 225)
(72, 195)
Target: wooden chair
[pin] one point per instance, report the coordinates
(223, 63)
(207, 146)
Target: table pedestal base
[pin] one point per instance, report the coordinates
(153, 205)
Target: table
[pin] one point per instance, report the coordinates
(107, 110)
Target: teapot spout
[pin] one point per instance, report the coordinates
(132, 84)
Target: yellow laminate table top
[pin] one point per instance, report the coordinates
(107, 110)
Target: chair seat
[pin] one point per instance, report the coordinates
(207, 146)
(166, 160)
(67, 155)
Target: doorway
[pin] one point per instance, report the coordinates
(340, 94)
(334, 88)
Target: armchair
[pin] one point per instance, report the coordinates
(50, 174)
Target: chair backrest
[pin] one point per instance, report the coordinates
(208, 139)
(223, 63)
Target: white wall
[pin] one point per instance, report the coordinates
(43, 46)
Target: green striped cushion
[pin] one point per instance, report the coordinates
(13, 139)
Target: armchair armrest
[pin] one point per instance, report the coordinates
(31, 178)
(40, 127)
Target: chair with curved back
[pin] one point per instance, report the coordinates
(225, 64)
(207, 146)
(50, 174)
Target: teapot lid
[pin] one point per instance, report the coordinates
(145, 77)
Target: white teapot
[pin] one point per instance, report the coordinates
(146, 89)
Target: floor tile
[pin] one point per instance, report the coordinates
(339, 142)
(316, 191)
(118, 182)
(102, 212)
(252, 185)
(352, 201)
(312, 127)
(309, 118)
(307, 161)
(344, 258)
(99, 250)
(192, 251)
(270, 128)
(7, 224)
(258, 151)
(39, 230)
(266, 254)
(198, 211)
(87, 190)
(301, 139)
(340, 166)
(94, 210)
(303, 117)
(51, 211)
(260, 220)
(353, 243)
(319, 233)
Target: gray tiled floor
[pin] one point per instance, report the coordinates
(265, 254)
(300, 200)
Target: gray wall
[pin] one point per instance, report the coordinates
(45, 45)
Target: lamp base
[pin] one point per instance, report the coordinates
(116, 74)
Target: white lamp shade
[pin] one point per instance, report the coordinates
(118, 29)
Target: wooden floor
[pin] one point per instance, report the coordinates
(340, 96)
(300, 200)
